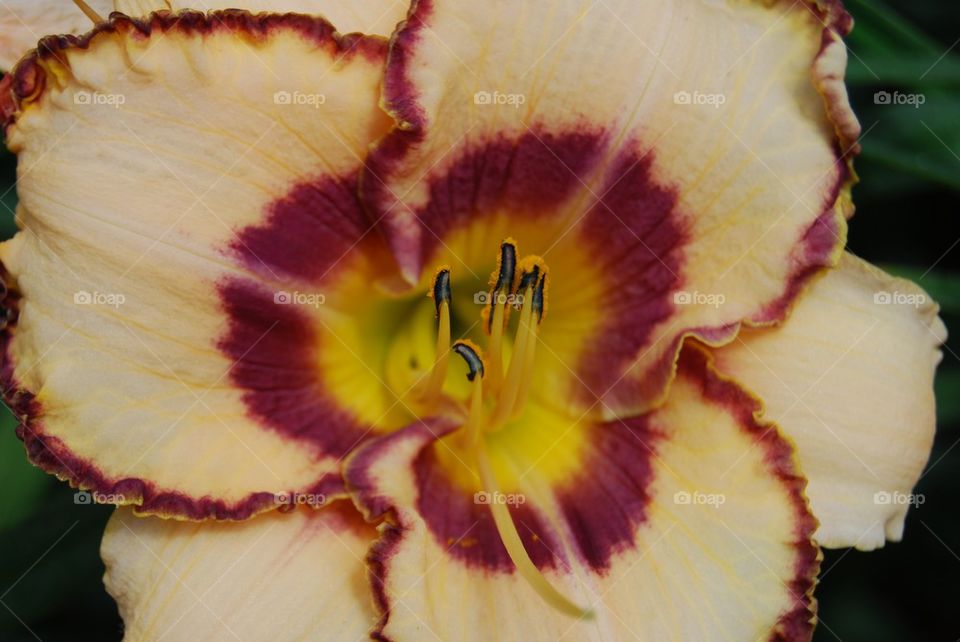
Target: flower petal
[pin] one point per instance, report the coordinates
(656, 527)
(301, 571)
(683, 145)
(175, 177)
(849, 377)
(24, 22)
(374, 17)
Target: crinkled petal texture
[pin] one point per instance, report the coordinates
(690, 148)
(687, 524)
(170, 174)
(24, 22)
(374, 17)
(849, 377)
(300, 573)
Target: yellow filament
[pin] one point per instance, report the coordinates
(514, 545)
(439, 372)
(474, 425)
(494, 368)
(511, 388)
(88, 12)
(526, 372)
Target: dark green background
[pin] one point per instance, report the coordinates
(50, 571)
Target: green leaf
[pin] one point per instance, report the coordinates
(920, 71)
(876, 17)
(904, 88)
(21, 485)
(8, 207)
(885, 47)
(922, 140)
(947, 386)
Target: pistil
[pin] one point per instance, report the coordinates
(506, 528)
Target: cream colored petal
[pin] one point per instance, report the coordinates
(143, 275)
(849, 377)
(281, 576)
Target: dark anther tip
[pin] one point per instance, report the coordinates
(470, 355)
(508, 267)
(537, 301)
(529, 279)
(441, 288)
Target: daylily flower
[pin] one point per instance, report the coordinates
(552, 294)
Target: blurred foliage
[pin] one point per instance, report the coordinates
(888, 53)
(50, 571)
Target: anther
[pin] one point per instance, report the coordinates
(529, 278)
(539, 298)
(471, 354)
(441, 294)
(495, 315)
(441, 288)
(506, 275)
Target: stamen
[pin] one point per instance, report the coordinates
(441, 298)
(495, 315)
(471, 354)
(531, 269)
(507, 530)
(88, 12)
(526, 370)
